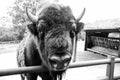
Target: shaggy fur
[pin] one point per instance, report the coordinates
(53, 32)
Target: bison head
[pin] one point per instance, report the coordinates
(53, 29)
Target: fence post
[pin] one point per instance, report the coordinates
(110, 68)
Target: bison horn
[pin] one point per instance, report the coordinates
(80, 17)
(31, 16)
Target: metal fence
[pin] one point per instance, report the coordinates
(34, 69)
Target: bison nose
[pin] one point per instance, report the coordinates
(60, 62)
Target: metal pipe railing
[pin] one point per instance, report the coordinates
(20, 70)
(35, 69)
(94, 62)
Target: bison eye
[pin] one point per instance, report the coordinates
(41, 35)
(72, 34)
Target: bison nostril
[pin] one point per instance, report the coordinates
(66, 64)
(67, 58)
(53, 62)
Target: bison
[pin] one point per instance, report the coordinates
(50, 41)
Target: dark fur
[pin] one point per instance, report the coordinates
(52, 32)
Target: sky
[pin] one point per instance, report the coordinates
(4, 5)
(95, 9)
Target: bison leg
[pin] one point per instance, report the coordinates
(22, 77)
(31, 76)
(46, 76)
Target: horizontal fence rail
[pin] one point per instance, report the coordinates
(36, 69)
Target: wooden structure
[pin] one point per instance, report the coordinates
(100, 41)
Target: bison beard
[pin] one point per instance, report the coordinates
(50, 41)
(58, 75)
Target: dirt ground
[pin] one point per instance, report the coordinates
(8, 60)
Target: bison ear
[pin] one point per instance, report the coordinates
(32, 28)
(80, 26)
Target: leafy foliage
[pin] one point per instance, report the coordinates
(6, 34)
(18, 10)
(19, 20)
